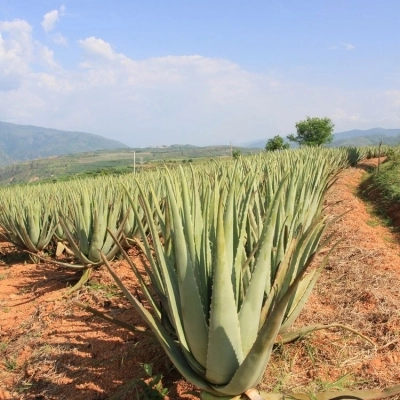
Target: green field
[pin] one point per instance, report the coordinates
(388, 178)
(110, 162)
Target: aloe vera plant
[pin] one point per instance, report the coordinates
(28, 221)
(91, 213)
(230, 272)
(223, 293)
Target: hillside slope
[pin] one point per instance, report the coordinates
(26, 142)
(368, 137)
(367, 132)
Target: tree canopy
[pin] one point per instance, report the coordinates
(276, 143)
(236, 153)
(313, 132)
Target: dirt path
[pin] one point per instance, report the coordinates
(50, 349)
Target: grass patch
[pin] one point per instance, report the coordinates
(388, 179)
(373, 223)
(381, 191)
(11, 363)
(109, 291)
(150, 388)
(378, 212)
(3, 347)
(342, 383)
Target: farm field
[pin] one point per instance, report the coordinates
(95, 163)
(54, 350)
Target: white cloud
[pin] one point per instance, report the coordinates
(59, 39)
(394, 95)
(19, 34)
(165, 100)
(51, 18)
(98, 47)
(46, 57)
(18, 52)
(348, 46)
(16, 48)
(342, 115)
(345, 46)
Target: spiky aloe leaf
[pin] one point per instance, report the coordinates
(252, 303)
(250, 371)
(194, 322)
(170, 346)
(224, 343)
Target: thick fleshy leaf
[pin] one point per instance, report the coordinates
(252, 303)
(252, 368)
(224, 343)
(194, 322)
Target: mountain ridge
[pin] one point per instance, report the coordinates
(366, 132)
(20, 143)
(354, 137)
(28, 142)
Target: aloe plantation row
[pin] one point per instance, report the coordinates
(229, 246)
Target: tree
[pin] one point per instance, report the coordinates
(313, 132)
(276, 143)
(236, 154)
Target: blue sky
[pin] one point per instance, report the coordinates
(199, 72)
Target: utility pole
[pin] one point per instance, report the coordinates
(379, 155)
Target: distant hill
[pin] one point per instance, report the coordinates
(366, 132)
(256, 144)
(368, 137)
(27, 142)
(355, 137)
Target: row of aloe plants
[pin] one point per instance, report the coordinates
(74, 216)
(228, 246)
(230, 266)
(31, 216)
(229, 260)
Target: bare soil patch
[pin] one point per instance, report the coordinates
(50, 349)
